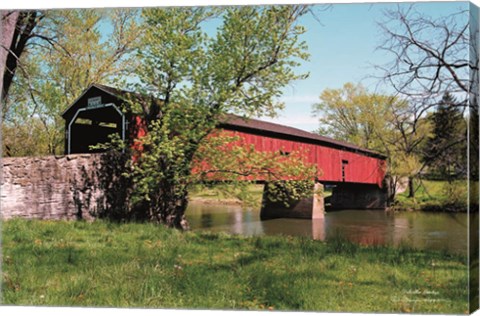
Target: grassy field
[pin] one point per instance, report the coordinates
(436, 196)
(143, 265)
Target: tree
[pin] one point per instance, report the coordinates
(388, 124)
(445, 150)
(432, 56)
(354, 115)
(410, 131)
(17, 29)
(199, 77)
(56, 71)
(22, 139)
(7, 28)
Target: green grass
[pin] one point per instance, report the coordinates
(436, 196)
(143, 265)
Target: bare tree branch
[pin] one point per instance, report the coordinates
(430, 56)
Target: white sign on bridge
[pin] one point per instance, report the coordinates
(94, 103)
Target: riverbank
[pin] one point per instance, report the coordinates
(227, 195)
(430, 196)
(435, 196)
(143, 265)
(215, 195)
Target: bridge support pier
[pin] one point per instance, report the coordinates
(308, 208)
(358, 196)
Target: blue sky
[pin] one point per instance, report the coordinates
(342, 49)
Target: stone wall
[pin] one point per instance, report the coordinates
(50, 187)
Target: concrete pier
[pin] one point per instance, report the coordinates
(308, 208)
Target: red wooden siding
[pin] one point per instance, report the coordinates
(360, 168)
(359, 165)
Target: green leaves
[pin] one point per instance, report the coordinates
(355, 115)
(224, 157)
(199, 76)
(242, 68)
(254, 56)
(388, 124)
(171, 49)
(71, 49)
(287, 192)
(446, 149)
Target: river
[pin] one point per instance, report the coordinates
(439, 231)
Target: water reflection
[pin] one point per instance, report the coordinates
(441, 231)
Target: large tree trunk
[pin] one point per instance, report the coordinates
(8, 20)
(25, 23)
(169, 208)
(411, 189)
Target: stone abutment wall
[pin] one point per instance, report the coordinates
(50, 187)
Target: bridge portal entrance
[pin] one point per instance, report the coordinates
(92, 126)
(91, 119)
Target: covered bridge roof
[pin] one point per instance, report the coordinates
(234, 122)
(248, 124)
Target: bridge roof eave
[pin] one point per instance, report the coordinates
(233, 122)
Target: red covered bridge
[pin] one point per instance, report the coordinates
(357, 174)
(339, 161)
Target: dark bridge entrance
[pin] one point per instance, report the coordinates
(357, 173)
(94, 126)
(91, 120)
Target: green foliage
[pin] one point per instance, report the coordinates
(436, 195)
(456, 193)
(188, 80)
(248, 194)
(21, 139)
(222, 163)
(446, 148)
(353, 114)
(387, 124)
(67, 55)
(242, 69)
(287, 192)
(102, 264)
(224, 156)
